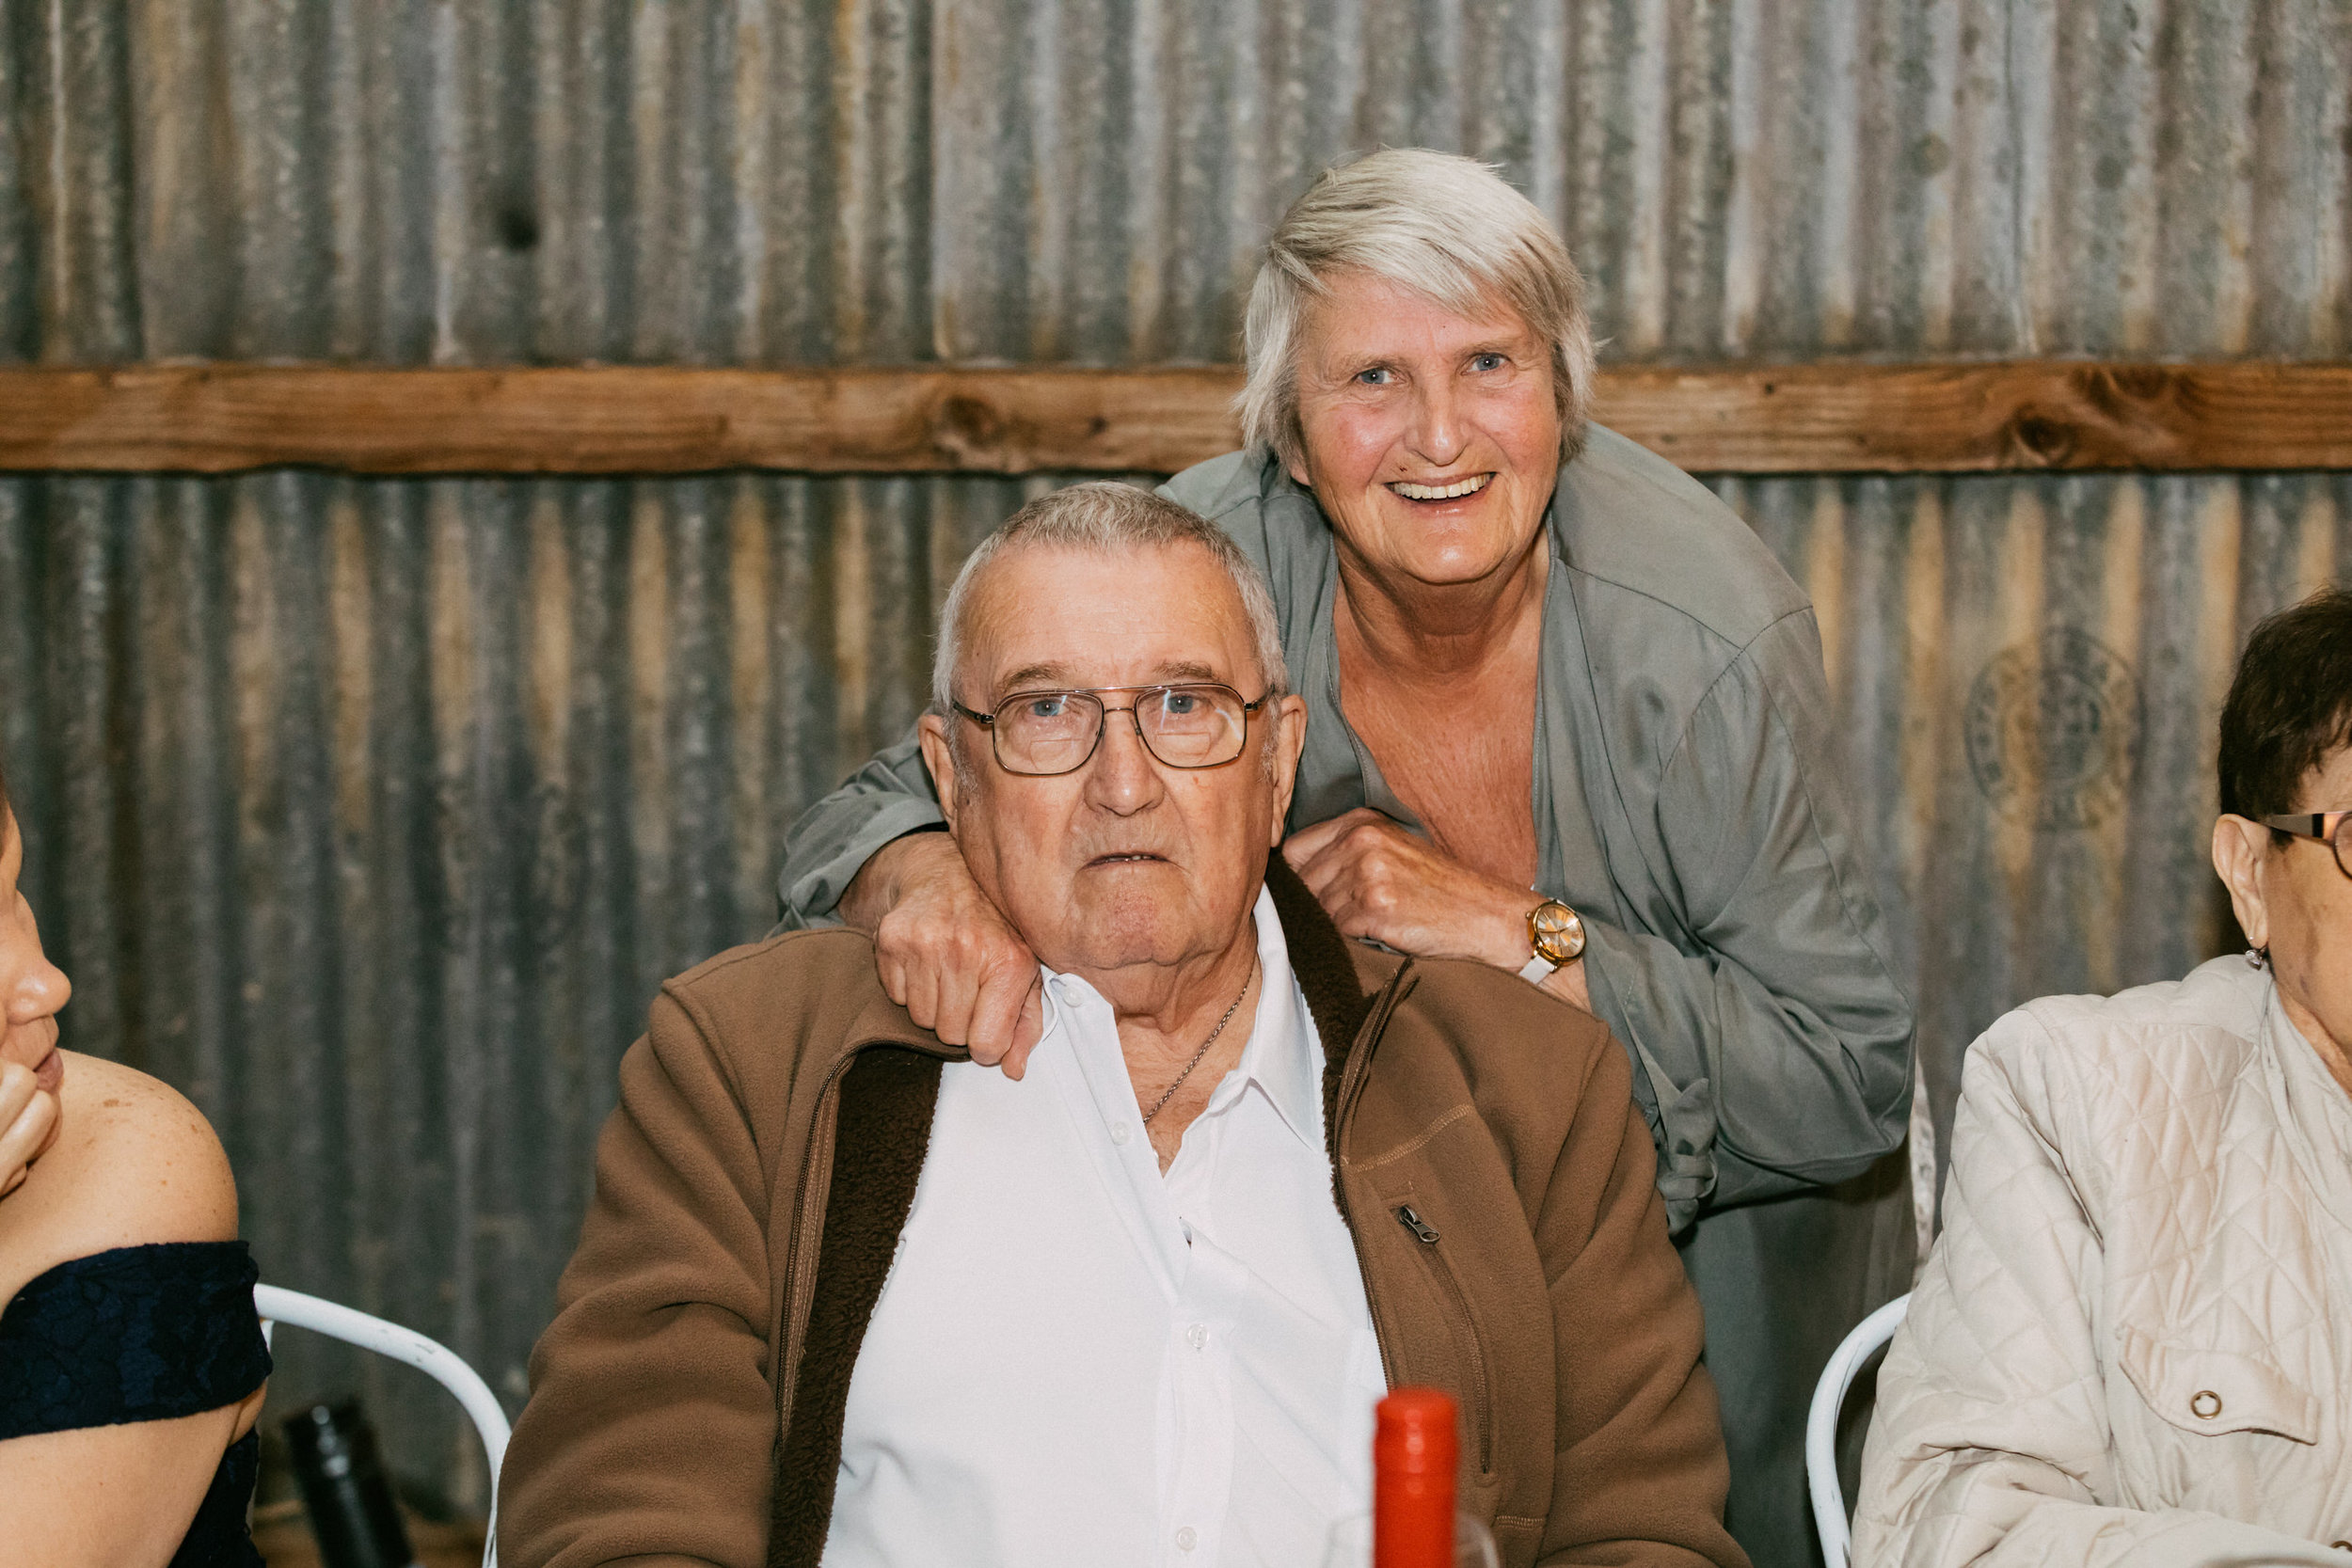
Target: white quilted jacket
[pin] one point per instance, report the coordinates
(2133, 1343)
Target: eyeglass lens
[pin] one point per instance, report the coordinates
(1184, 726)
(2341, 839)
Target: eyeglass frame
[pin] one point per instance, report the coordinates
(988, 721)
(2328, 826)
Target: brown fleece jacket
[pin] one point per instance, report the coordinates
(687, 1403)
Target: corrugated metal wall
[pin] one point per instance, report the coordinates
(371, 812)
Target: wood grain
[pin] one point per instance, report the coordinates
(1817, 417)
(1985, 418)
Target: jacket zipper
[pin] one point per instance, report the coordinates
(1465, 1330)
(1358, 1068)
(1351, 1082)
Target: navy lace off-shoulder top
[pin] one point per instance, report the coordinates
(144, 1334)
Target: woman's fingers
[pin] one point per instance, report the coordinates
(996, 1010)
(17, 1088)
(1028, 1030)
(35, 1116)
(1310, 843)
(947, 956)
(1376, 878)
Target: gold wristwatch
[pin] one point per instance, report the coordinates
(1555, 936)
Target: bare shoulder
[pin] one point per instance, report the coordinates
(135, 1164)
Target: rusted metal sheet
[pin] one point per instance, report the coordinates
(2031, 674)
(371, 812)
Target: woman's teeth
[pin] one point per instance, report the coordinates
(1455, 491)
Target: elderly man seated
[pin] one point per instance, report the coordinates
(845, 1296)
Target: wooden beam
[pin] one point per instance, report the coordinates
(609, 420)
(1815, 417)
(1963, 418)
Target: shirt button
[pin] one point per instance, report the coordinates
(2205, 1404)
(1119, 1134)
(1186, 1539)
(1198, 1337)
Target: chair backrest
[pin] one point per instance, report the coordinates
(443, 1365)
(1821, 1427)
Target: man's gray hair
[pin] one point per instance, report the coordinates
(1108, 517)
(1443, 227)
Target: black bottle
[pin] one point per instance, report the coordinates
(344, 1491)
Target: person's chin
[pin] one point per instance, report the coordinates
(1445, 545)
(1123, 914)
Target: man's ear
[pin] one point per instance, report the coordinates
(1288, 740)
(930, 733)
(2240, 847)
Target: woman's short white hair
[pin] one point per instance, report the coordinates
(1446, 227)
(1106, 517)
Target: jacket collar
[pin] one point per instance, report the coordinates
(1335, 997)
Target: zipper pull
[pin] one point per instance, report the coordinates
(1422, 1232)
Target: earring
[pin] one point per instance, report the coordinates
(2258, 957)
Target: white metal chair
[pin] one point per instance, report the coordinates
(436, 1361)
(1821, 1427)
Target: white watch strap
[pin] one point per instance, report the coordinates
(1537, 970)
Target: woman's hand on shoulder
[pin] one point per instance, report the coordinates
(1377, 879)
(946, 954)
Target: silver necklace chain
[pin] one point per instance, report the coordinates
(1161, 1103)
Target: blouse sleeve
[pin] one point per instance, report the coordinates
(1774, 1045)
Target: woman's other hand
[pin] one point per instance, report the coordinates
(946, 954)
(1378, 879)
(28, 1113)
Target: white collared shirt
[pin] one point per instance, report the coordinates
(1077, 1360)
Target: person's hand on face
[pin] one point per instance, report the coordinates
(2295, 900)
(1431, 440)
(32, 989)
(1125, 870)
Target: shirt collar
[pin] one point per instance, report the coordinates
(1283, 1059)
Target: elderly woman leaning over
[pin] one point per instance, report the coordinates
(2132, 1342)
(130, 1359)
(1566, 716)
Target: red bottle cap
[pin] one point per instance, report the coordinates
(1414, 1452)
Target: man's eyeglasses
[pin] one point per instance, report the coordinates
(2325, 826)
(1041, 733)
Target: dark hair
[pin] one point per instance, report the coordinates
(2290, 706)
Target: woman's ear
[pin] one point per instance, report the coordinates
(2240, 847)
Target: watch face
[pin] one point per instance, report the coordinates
(1555, 932)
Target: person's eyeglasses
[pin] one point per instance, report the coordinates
(1041, 733)
(2325, 826)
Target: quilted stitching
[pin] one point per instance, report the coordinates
(2147, 1192)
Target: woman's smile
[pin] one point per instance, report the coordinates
(1440, 489)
